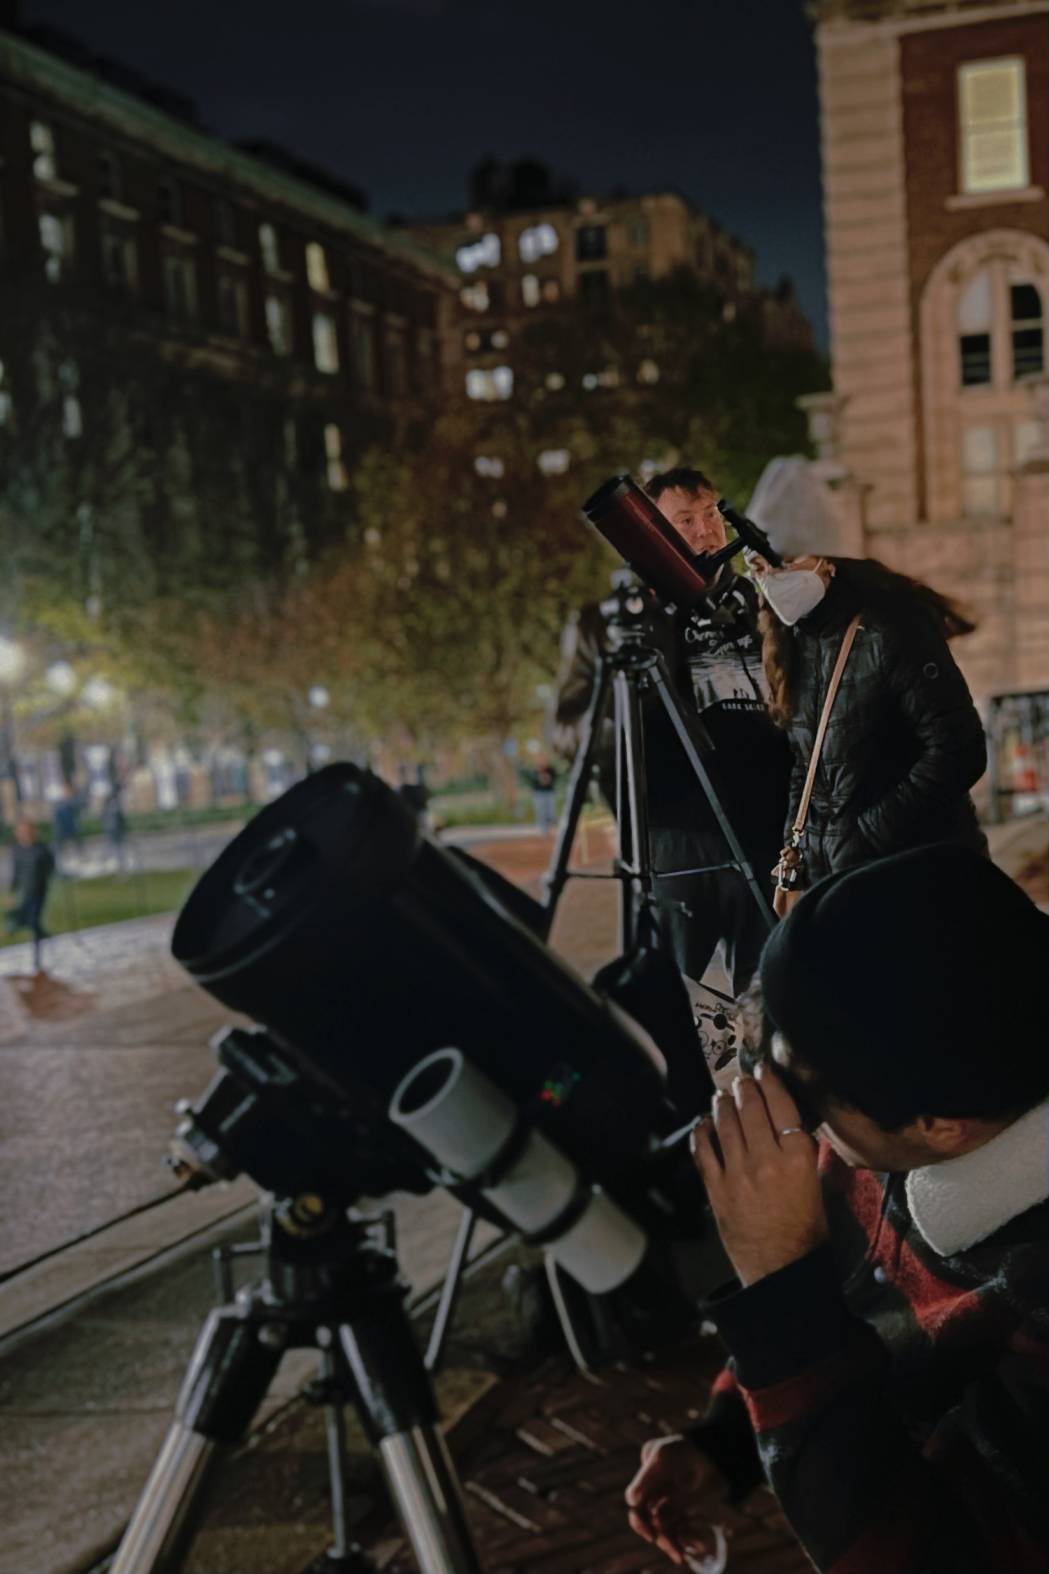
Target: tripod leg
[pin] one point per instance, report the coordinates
(673, 709)
(450, 1290)
(636, 874)
(231, 1368)
(556, 878)
(397, 1408)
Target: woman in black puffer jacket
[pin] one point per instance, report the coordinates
(904, 744)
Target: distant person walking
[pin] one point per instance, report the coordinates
(65, 820)
(32, 866)
(114, 826)
(542, 781)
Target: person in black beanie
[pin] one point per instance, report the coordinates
(889, 1332)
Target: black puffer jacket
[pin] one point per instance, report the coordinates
(905, 743)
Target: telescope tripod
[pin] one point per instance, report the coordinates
(632, 665)
(331, 1283)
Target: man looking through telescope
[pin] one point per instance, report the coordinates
(714, 659)
(889, 1371)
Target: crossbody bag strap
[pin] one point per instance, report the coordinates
(798, 828)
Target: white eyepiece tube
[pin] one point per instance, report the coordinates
(461, 1118)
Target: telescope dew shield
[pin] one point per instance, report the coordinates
(362, 946)
(461, 1118)
(629, 521)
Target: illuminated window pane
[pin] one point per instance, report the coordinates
(325, 342)
(72, 418)
(648, 372)
(500, 339)
(551, 291)
(278, 325)
(489, 382)
(993, 114)
(268, 248)
(530, 291)
(338, 480)
(317, 267)
(483, 253)
(539, 240)
(42, 142)
(489, 465)
(55, 234)
(475, 297)
(554, 461)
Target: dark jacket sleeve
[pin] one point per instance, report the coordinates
(862, 1495)
(937, 710)
(727, 1437)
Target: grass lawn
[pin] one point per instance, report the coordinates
(109, 898)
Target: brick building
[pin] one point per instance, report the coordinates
(276, 316)
(528, 245)
(934, 131)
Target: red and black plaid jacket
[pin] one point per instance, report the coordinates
(899, 1399)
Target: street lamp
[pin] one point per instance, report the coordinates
(61, 679)
(12, 661)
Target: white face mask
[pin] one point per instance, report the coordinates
(792, 593)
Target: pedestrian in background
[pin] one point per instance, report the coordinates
(542, 781)
(65, 821)
(114, 826)
(32, 866)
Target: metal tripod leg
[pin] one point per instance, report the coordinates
(450, 1289)
(555, 879)
(231, 1368)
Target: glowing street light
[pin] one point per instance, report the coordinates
(99, 693)
(319, 697)
(61, 678)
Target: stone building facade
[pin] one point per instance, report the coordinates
(934, 135)
(518, 258)
(228, 285)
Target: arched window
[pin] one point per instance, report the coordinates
(983, 359)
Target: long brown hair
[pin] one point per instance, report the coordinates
(868, 584)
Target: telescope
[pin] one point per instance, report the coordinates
(630, 522)
(413, 1030)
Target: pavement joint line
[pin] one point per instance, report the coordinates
(155, 1258)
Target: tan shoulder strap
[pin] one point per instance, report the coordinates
(798, 827)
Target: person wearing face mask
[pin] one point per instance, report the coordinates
(904, 744)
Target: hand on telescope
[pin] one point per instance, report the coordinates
(764, 1189)
(674, 1496)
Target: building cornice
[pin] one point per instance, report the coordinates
(879, 17)
(31, 68)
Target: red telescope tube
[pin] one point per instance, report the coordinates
(631, 523)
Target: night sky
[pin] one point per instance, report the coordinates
(401, 97)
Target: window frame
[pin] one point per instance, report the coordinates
(966, 71)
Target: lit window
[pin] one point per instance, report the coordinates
(648, 372)
(530, 290)
(993, 114)
(55, 236)
(269, 249)
(317, 267)
(42, 142)
(555, 381)
(180, 286)
(489, 465)
(489, 382)
(72, 419)
(472, 342)
(728, 312)
(1028, 330)
(119, 259)
(475, 296)
(169, 203)
(483, 253)
(338, 480)
(608, 378)
(500, 339)
(325, 342)
(539, 240)
(975, 315)
(981, 482)
(554, 461)
(551, 290)
(233, 305)
(278, 325)
(109, 176)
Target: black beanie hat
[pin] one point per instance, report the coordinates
(916, 985)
